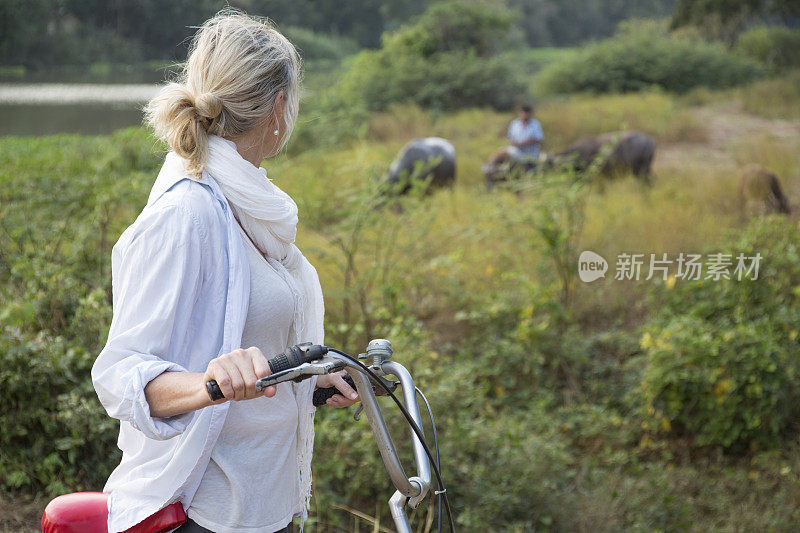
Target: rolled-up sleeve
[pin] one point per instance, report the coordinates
(156, 279)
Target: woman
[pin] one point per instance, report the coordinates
(207, 283)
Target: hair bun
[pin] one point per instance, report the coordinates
(208, 105)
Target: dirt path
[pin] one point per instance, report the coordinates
(726, 126)
(728, 123)
(20, 515)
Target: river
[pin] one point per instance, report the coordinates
(90, 108)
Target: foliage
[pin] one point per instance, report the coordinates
(720, 361)
(54, 428)
(446, 60)
(643, 59)
(83, 32)
(454, 26)
(55, 302)
(775, 46)
(538, 403)
(570, 22)
(38, 33)
(726, 18)
(557, 217)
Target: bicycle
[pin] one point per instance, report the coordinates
(297, 363)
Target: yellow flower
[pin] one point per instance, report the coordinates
(489, 270)
(670, 283)
(647, 341)
(723, 387)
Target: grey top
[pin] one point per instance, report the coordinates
(251, 484)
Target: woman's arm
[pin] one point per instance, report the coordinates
(236, 373)
(175, 393)
(156, 278)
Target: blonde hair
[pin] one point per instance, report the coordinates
(237, 66)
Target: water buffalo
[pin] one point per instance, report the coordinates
(760, 192)
(423, 158)
(628, 151)
(505, 164)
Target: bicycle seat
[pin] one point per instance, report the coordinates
(87, 512)
(76, 512)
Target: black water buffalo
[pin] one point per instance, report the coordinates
(505, 164)
(423, 158)
(628, 151)
(760, 192)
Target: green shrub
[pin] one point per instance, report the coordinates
(640, 60)
(446, 81)
(778, 47)
(720, 362)
(70, 198)
(56, 437)
(447, 60)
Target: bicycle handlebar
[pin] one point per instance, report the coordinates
(305, 360)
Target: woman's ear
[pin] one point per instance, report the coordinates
(280, 101)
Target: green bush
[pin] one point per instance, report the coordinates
(720, 362)
(640, 60)
(55, 430)
(69, 205)
(778, 47)
(446, 81)
(449, 59)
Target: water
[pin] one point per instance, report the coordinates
(89, 108)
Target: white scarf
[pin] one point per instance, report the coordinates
(269, 217)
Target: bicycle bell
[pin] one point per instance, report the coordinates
(379, 350)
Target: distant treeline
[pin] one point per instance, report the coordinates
(42, 33)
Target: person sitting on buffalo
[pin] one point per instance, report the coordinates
(525, 133)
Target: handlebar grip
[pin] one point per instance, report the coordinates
(293, 356)
(214, 391)
(322, 395)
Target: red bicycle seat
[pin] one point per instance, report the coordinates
(87, 512)
(78, 512)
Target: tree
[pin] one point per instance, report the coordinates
(727, 18)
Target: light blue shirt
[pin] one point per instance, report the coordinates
(181, 285)
(519, 132)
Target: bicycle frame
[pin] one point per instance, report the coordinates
(410, 490)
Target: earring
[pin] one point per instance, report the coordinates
(275, 132)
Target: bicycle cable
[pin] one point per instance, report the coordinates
(442, 492)
(438, 459)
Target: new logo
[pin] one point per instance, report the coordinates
(591, 266)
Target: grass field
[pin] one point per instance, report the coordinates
(530, 391)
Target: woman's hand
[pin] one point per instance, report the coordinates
(236, 374)
(347, 395)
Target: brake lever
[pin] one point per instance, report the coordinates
(326, 365)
